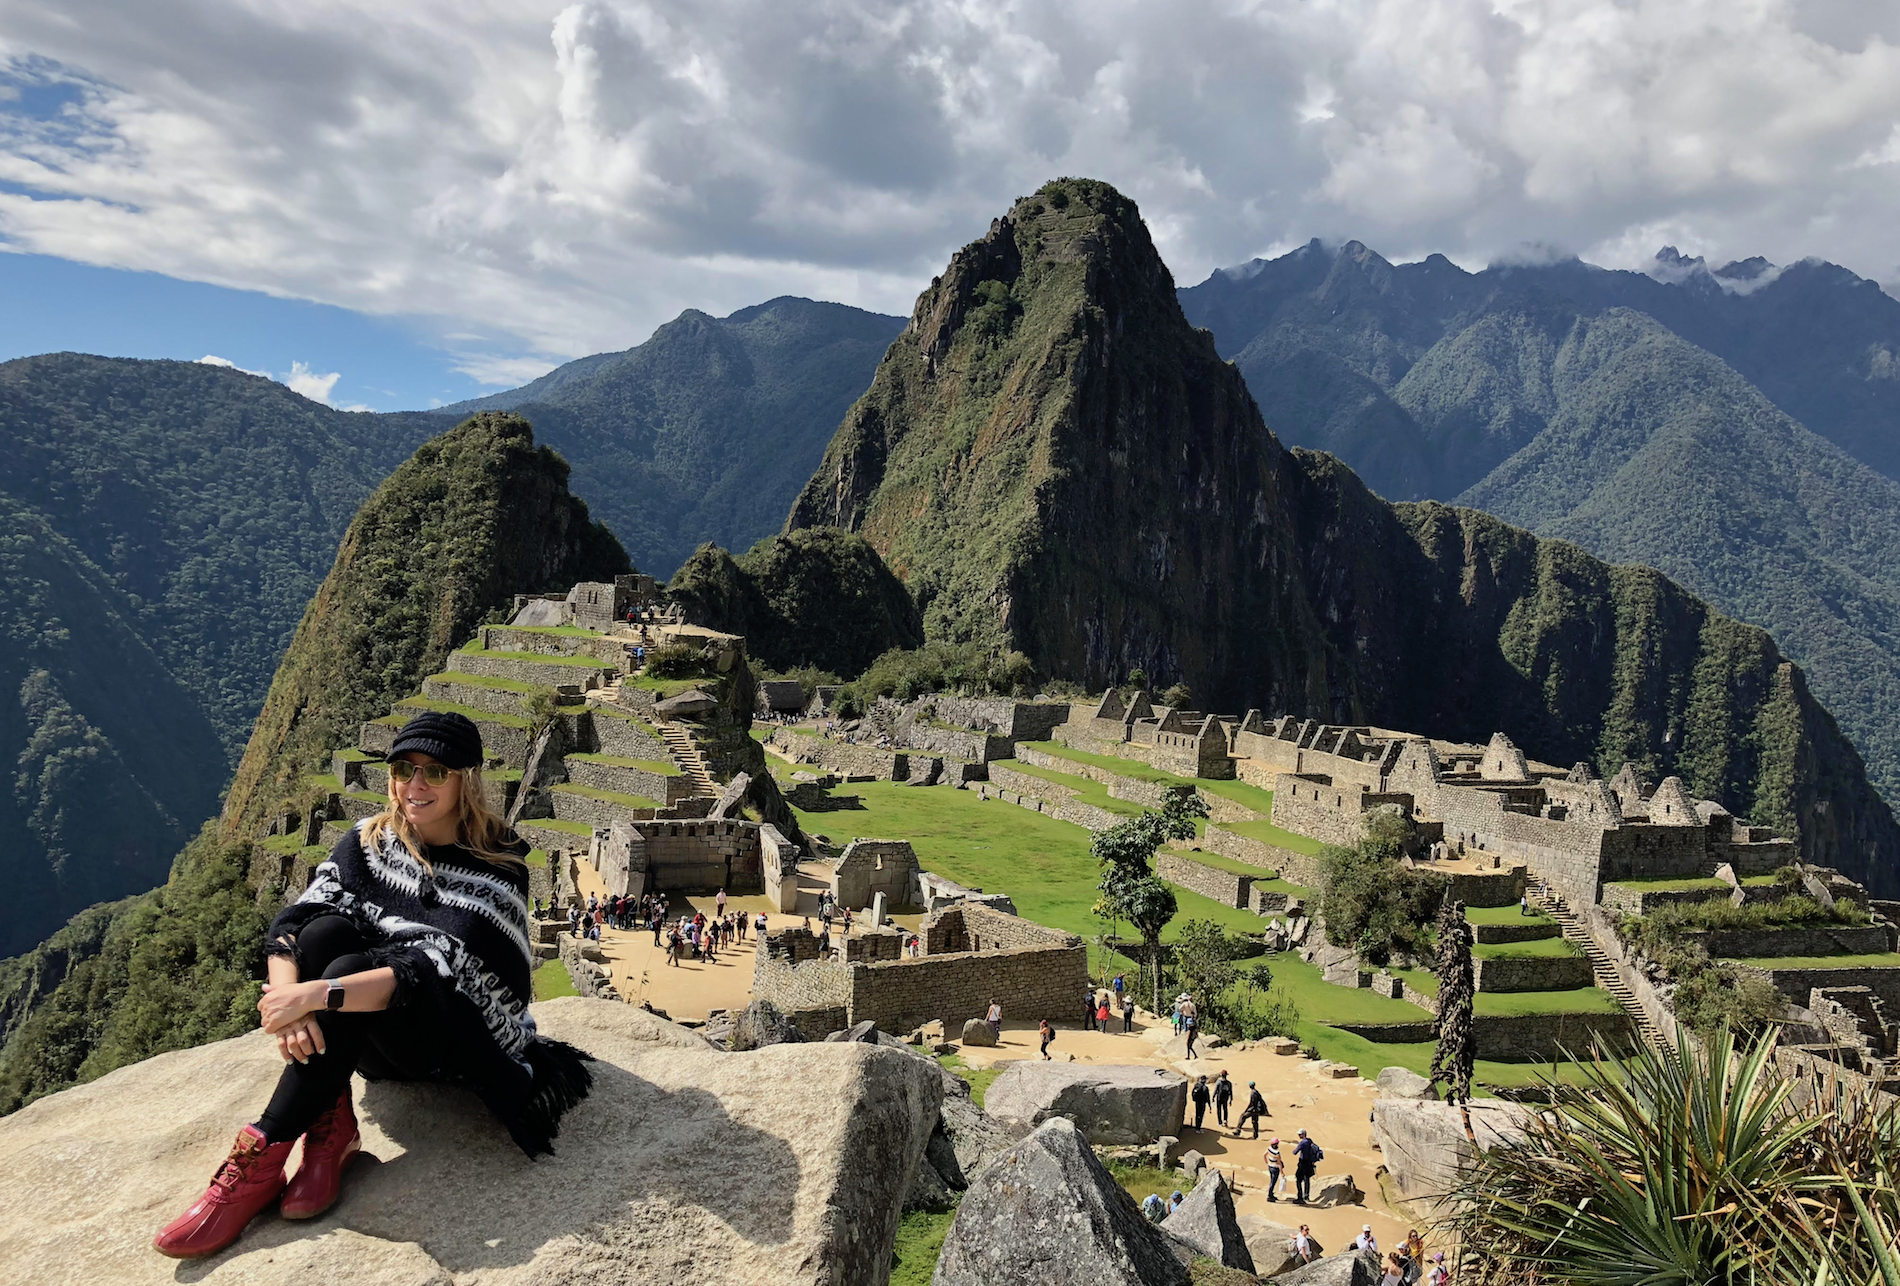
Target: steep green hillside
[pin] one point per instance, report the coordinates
(474, 517)
(111, 764)
(706, 431)
(1528, 393)
(1052, 458)
(817, 597)
(210, 500)
(450, 536)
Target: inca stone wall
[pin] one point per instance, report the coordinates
(1811, 940)
(1030, 983)
(1017, 720)
(1149, 794)
(1328, 812)
(1532, 973)
(1224, 887)
(844, 759)
(868, 867)
(971, 926)
(1295, 868)
(1513, 1038)
(1087, 816)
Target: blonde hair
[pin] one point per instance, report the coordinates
(477, 826)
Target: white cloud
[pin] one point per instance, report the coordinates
(560, 177)
(310, 384)
(212, 359)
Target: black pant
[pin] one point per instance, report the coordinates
(1220, 1109)
(1200, 1110)
(386, 1045)
(1249, 1115)
(1302, 1185)
(1128, 1020)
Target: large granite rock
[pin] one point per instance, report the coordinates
(964, 1141)
(1337, 1190)
(784, 1165)
(1350, 1268)
(977, 1032)
(1271, 1245)
(1403, 1082)
(1109, 1104)
(760, 1024)
(1205, 1223)
(1047, 1213)
(1424, 1146)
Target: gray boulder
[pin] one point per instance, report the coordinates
(1403, 1082)
(1046, 1213)
(1205, 1223)
(1271, 1245)
(865, 1031)
(928, 1189)
(1164, 1150)
(808, 1178)
(1424, 1145)
(977, 1032)
(1192, 1162)
(1109, 1104)
(1353, 1268)
(761, 1024)
(1337, 1190)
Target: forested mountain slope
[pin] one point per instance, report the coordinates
(1533, 394)
(1054, 460)
(447, 539)
(706, 431)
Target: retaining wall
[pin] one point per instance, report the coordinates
(1806, 940)
(1532, 973)
(1516, 1038)
(844, 758)
(1030, 982)
(1633, 899)
(1149, 794)
(1224, 887)
(1530, 931)
(1295, 868)
(1794, 984)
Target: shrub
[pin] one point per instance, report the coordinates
(905, 674)
(1371, 903)
(1179, 697)
(676, 661)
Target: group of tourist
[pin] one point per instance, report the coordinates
(1101, 1005)
(704, 937)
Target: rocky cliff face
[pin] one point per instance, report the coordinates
(1054, 460)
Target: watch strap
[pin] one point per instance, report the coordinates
(333, 1000)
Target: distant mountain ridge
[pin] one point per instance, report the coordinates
(1054, 460)
(1546, 396)
(707, 430)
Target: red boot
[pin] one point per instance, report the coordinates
(250, 1179)
(327, 1148)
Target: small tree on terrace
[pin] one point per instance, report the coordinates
(1130, 890)
(1453, 1060)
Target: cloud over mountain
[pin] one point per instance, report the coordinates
(571, 175)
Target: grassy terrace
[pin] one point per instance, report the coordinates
(536, 857)
(665, 687)
(609, 712)
(552, 980)
(1691, 884)
(604, 796)
(1268, 833)
(406, 708)
(1871, 960)
(1504, 915)
(1583, 1000)
(490, 681)
(563, 631)
(665, 769)
(572, 828)
(578, 662)
(1087, 789)
(1557, 947)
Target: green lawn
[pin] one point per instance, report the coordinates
(1667, 885)
(1872, 960)
(1315, 996)
(551, 979)
(572, 828)
(1583, 1000)
(1268, 833)
(1113, 763)
(977, 1078)
(407, 707)
(1250, 796)
(1504, 915)
(665, 687)
(1238, 867)
(491, 682)
(635, 720)
(1535, 947)
(665, 768)
(1370, 1055)
(564, 631)
(536, 857)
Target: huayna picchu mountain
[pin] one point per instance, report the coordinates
(441, 546)
(1053, 459)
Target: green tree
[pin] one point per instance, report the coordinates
(1456, 1054)
(1369, 901)
(1130, 890)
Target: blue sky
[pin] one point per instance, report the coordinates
(55, 305)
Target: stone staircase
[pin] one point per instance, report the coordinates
(680, 745)
(1579, 935)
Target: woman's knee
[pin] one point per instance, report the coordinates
(323, 941)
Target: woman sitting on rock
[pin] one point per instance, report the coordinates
(407, 958)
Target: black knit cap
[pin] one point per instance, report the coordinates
(451, 739)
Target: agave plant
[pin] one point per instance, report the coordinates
(1688, 1167)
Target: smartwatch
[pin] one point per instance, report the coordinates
(334, 1000)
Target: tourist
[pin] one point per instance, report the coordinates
(1088, 1010)
(759, 924)
(1366, 1241)
(1415, 1253)
(995, 1019)
(1303, 1245)
(656, 922)
(334, 1011)
(1174, 1013)
(1102, 1015)
(719, 900)
(1119, 987)
(1255, 1109)
(1394, 1270)
(1524, 904)
(824, 942)
(1199, 1095)
(1439, 1274)
(1306, 1159)
(1154, 1207)
(1174, 1202)
(1276, 1167)
(1190, 1023)
(1048, 1034)
(675, 948)
(1223, 1095)
(1128, 1013)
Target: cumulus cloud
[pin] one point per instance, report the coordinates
(301, 380)
(568, 175)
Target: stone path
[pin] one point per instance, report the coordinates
(680, 744)
(1607, 977)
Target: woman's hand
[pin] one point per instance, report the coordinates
(301, 1040)
(284, 1003)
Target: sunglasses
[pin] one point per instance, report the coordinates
(434, 774)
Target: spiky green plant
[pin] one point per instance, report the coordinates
(1688, 1167)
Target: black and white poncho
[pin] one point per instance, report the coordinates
(458, 943)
